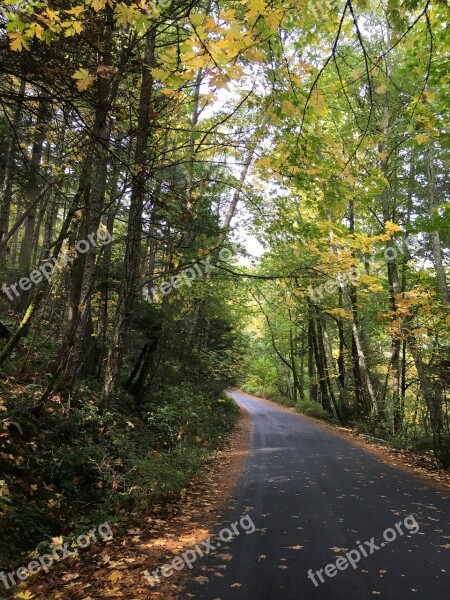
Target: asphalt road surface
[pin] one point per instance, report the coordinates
(313, 498)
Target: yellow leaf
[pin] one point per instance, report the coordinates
(125, 14)
(422, 138)
(84, 80)
(36, 30)
(264, 162)
(197, 18)
(287, 108)
(159, 74)
(57, 542)
(392, 228)
(98, 4)
(198, 61)
(273, 19)
(53, 15)
(340, 312)
(18, 41)
(76, 10)
(382, 89)
(256, 8)
(355, 74)
(24, 595)
(318, 101)
(115, 576)
(76, 27)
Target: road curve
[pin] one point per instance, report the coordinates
(314, 498)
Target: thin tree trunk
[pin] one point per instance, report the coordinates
(7, 189)
(436, 246)
(134, 231)
(26, 248)
(313, 389)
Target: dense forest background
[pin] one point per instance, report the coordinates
(143, 146)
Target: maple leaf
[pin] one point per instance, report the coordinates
(84, 80)
(18, 41)
(256, 8)
(57, 542)
(36, 30)
(76, 10)
(422, 138)
(98, 4)
(115, 576)
(287, 108)
(318, 102)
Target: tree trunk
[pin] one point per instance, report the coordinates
(26, 248)
(134, 230)
(436, 247)
(6, 193)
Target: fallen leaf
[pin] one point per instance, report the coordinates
(115, 576)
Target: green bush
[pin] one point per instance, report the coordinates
(269, 393)
(87, 466)
(312, 409)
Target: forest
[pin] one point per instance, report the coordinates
(199, 195)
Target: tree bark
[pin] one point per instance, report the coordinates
(7, 189)
(26, 248)
(436, 246)
(134, 230)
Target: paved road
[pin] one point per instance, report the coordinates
(313, 498)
